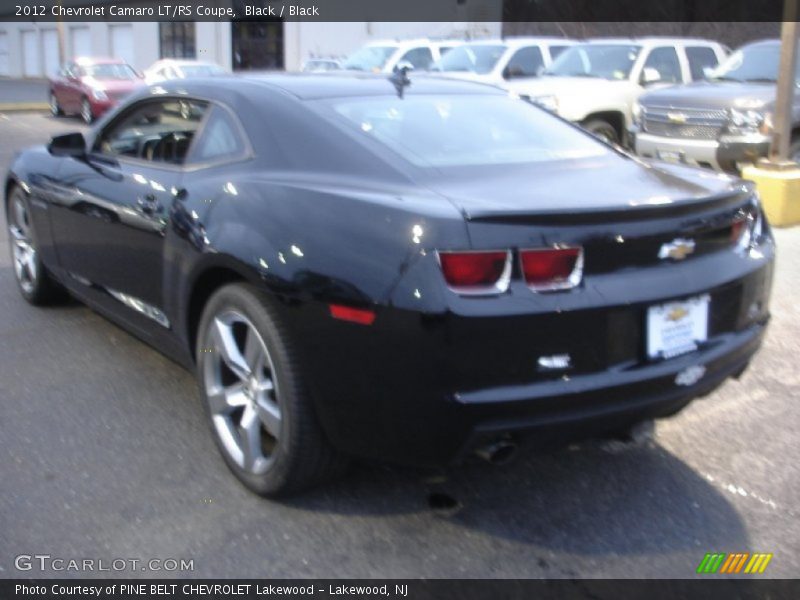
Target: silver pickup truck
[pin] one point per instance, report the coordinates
(723, 122)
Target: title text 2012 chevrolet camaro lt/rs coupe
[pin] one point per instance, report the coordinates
(357, 266)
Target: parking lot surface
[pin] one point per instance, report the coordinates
(106, 455)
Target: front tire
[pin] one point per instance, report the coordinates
(602, 129)
(253, 390)
(86, 111)
(55, 107)
(35, 283)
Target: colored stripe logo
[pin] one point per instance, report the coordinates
(737, 562)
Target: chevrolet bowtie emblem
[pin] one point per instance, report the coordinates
(676, 117)
(677, 249)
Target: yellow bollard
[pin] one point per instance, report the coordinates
(779, 188)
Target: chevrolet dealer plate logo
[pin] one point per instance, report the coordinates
(677, 313)
(677, 249)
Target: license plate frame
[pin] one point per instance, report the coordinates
(677, 327)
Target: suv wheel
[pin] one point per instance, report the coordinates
(254, 393)
(602, 129)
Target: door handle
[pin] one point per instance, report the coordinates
(148, 203)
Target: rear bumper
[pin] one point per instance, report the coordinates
(423, 389)
(723, 154)
(609, 401)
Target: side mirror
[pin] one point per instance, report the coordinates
(70, 144)
(650, 75)
(708, 72)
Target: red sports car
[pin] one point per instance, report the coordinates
(90, 86)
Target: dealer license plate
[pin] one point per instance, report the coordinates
(677, 327)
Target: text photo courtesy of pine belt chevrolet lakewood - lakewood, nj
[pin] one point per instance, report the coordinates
(295, 296)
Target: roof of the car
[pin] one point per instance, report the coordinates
(522, 41)
(645, 41)
(331, 85)
(412, 42)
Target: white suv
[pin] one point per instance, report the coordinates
(384, 56)
(500, 61)
(596, 83)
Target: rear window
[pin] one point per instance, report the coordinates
(449, 131)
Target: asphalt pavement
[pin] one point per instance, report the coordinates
(106, 455)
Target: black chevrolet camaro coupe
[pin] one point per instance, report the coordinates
(356, 266)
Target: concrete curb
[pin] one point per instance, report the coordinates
(23, 106)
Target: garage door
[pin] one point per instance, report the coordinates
(4, 53)
(122, 42)
(30, 54)
(80, 42)
(50, 45)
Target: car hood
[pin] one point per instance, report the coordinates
(712, 95)
(465, 76)
(605, 184)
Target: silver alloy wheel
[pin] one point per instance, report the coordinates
(22, 246)
(242, 391)
(54, 105)
(86, 111)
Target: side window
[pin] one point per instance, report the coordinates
(221, 138)
(700, 57)
(665, 61)
(525, 62)
(420, 58)
(158, 131)
(556, 50)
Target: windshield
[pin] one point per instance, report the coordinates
(369, 58)
(110, 71)
(477, 58)
(450, 131)
(752, 63)
(605, 61)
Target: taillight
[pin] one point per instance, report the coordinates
(550, 269)
(478, 272)
(747, 226)
(738, 228)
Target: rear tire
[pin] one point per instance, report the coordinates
(603, 130)
(254, 393)
(34, 281)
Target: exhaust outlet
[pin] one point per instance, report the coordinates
(498, 452)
